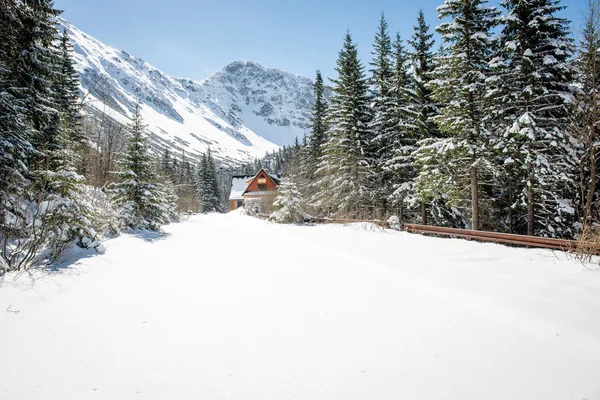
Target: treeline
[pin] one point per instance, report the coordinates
(68, 179)
(493, 129)
(277, 162)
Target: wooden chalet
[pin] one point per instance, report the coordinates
(248, 187)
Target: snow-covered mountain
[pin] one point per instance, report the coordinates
(241, 112)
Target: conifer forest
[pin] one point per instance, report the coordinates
(492, 128)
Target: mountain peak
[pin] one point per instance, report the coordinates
(241, 111)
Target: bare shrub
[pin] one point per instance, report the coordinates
(588, 244)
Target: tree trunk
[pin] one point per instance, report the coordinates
(592, 187)
(474, 199)
(511, 218)
(530, 208)
(424, 214)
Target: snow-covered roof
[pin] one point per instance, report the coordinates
(239, 184)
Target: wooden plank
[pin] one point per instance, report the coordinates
(563, 243)
(489, 239)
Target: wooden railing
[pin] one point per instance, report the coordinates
(484, 236)
(496, 237)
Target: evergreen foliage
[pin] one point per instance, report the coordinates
(318, 128)
(345, 171)
(587, 114)
(207, 184)
(423, 66)
(400, 161)
(532, 89)
(140, 197)
(288, 206)
(453, 165)
(384, 124)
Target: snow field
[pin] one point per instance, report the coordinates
(230, 307)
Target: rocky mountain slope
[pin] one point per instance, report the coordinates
(241, 112)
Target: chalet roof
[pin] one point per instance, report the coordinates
(239, 184)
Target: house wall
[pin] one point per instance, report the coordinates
(254, 184)
(234, 204)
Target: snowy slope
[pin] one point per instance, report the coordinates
(330, 312)
(241, 112)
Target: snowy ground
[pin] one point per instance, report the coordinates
(229, 307)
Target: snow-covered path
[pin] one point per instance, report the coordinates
(229, 307)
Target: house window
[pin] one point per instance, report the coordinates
(262, 186)
(240, 203)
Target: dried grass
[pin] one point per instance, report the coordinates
(588, 244)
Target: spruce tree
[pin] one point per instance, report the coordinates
(318, 126)
(15, 146)
(421, 107)
(34, 70)
(423, 66)
(532, 89)
(460, 87)
(400, 162)
(287, 204)
(207, 184)
(68, 100)
(139, 196)
(588, 113)
(345, 170)
(384, 123)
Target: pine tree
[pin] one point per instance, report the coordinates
(68, 103)
(139, 196)
(421, 107)
(318, 126)
(15, 146)
(423, 66)
(345, 170)
(34, 70)
(385, 121)
(588, 113)
(287, 203)
(67, 215)
(207, 184)
(400, 162)
(464, 152)
(532, 89)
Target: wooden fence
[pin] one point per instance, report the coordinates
(484, 236)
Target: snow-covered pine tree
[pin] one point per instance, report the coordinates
(421, 106)
(67, 214)
(287, 203)
(299, 167)
(532, 89)
(68, 101)
(34, 70)
(345, 176)
(15, 135)
(139, 196)
(400, 162)
(454, 164)
(422, 60)
(207, 185)
(384, 122)
(586, 123)
(318, 127)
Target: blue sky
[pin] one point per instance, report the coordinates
(194, 38)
